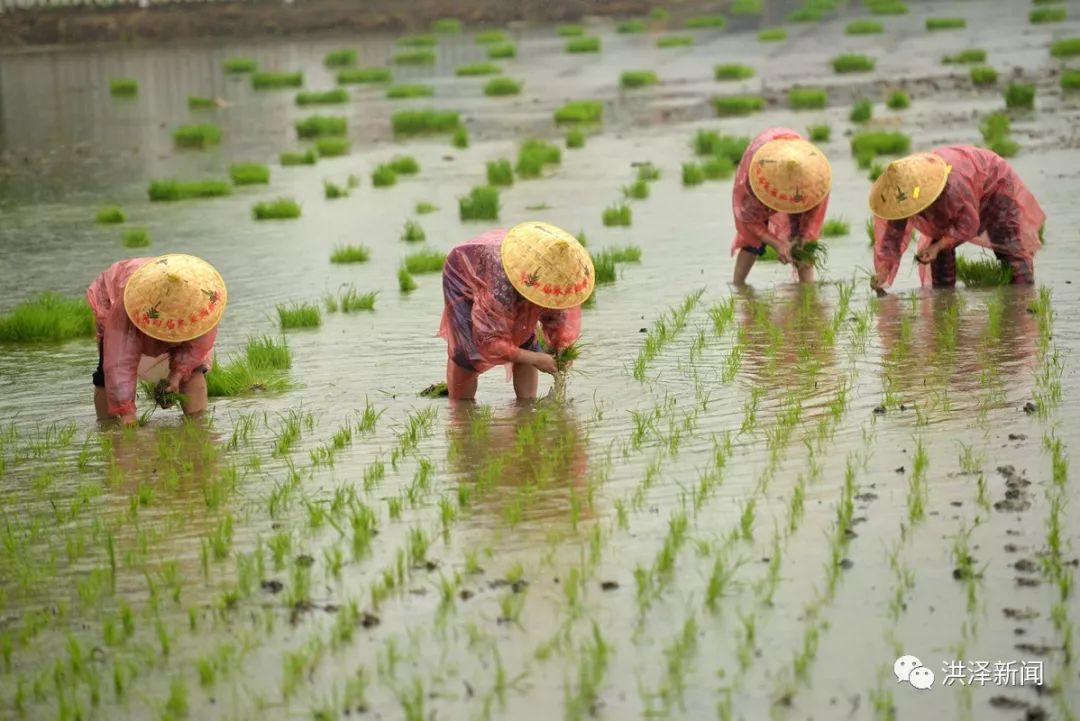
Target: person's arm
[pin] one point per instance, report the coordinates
(186, 357)
(752, 222)
(121, 350)
(891, 239)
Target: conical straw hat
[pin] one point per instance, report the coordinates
(175, 298)
(547, 265)
(790, 175)
(908, 186)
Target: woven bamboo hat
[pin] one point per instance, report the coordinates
(908, 186)
(790, 175)
(547, 265)
(175, 298)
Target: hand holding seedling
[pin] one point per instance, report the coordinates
(875, 285)
(783, 249)
(540, 361)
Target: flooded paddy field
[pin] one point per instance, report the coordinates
(750, 504)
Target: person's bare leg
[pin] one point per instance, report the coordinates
(101, 404)
(194, 389)
(806, 273)
(526, 381)
(744, 261)
(460, 382)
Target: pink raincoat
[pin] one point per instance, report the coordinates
(984, 202)
(123, 346)
(485, 321)
(754, 219)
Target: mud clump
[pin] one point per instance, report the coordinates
(1016, 496)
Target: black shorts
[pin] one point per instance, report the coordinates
(759, 251)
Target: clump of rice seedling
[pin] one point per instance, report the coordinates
(970, 55)
(808, 98)
(1070, 80)
(47, 317)
(733, 105)
(272, 81)
(267, 353)
(332, 147)
(886, 7)
(280, 209)
(482, 203)
(412, 232)
(199, 102)
(333, 191)
(258, 369)
(631, 26)
(415, 57)
(383, 176)
(197, 136)
(810, 253)
(570, 31)
(475, 69)
(340, 58)
(357, 76)
(575, 138)
(862, 111)
(423, 208)
(617, 215)
(675, 41)
(648, 172)
(123, 87)
(995, 129)
(351, 300)
(772, 35)
(869, 144)
(692, 174)
(299, 315)
(637, 78)
(852, 63)
(424, 261)
(500, 172)
(584, 44)
(1019, 95)
(1065, 47)
(983, 75)
(659, 14)
(308, 157)
(580, 111)
(498, 87)
(424, 122)
(491, 37)
(170, 189)
(406, 283)
(835, 227)
(1006, 147)
(350, 254)
(604, 270)
(898, 100)
(638, 190)
(945, 23)
(460, 137)
(533, 155)
(710, 142)
(624, 254)
(746, 7)
(864, 27)
(136, 238)
(717, 168)
(446, 26)
(982, 272)
(805, 15)
(404, 165)
(1038, 16)
(733, 71)
(503, 51)
(399, 92)
(321, 97)
(706, 21)
(319, 126)
(111, 214)
(418, 41)
(819, 133)
(876, 169)
(237, 65)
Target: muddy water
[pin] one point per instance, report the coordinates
(615, 556)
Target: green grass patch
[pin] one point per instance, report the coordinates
(320, 126)
(575, 139)
(424, 261)
(418, 41)
(279, 209)
(332, 147)
(886, 7)
(1070, 80)
(733, 105)
(111, 214)
(404, 165)
(307, 157)
(617, 215)
(199, 102)
(47, 317)
(350, 254)
(982, 272)
(861, 111)
(819, 133)
(898, 100)
(631, 26)
(584, 44)
(580, 111)
(342, 58)
(415, 57)
(136, 238)
(321, 97)
(637, 78)
(399, 92)
(238, 65)
(852, 63)
(123, 87)
(534, 155)
(475, 69)
(692, 174)
(412, 232)
(966, 56)
(424, 122)
(333, 191)
(273, 81)
(772, 35)
(1038, 16)
(502, 51)
(637, 190)
(1020, 96)
(570, 31)
(423, 207)
(491, 37)
(197, 136)
(482, 203)
(945, 23)
(869, 144)
(500, 172)
(835, 227)
(709, 142)
(359, 76)
(406, 283)
(864, 27)
(169, 189)
(706, 21)
(447, 26)
(460, 137)
(717, 168)
(808, 98)
(732, 71)
(502, 86)
(675, 41)
(984, 75)
(383, 176)
(299, 315)
(1065, 47)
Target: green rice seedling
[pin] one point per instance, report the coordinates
(1021, 96)
(423, 208)
(835, 227)
(299, 315)
(482, 203)
(805, 15)
(732, 71)
(501, 52)
(717, 168)
(887, 7)
(424, 122)
(675, 41)
(1070, 80)
(1038, 16)
(570, 31)
(969, 55)
(237, 65)
(502, 86)
(424, 261)
(898, 100)
(637, 78)
(734, 105)
(342, 58)
(197, 136)
(406, 283)
(249, 174)
(852, 63)
(308, 157)
(199, 102)
(358, 76)
(692, 174)
(861, 111)
(123, 87)
(868, 144)
(638, 190)
(333, 191)
(982, 272)
(477, 69)
(945, 23)
(648, 172)
(631, 26)
(350, 254)
(446, 26)
(708, 142)
(575, 138)
(706, 21)
(460, 137)
(875, 171)
(415, 57)
(169, 189)
(47, 317)
(604, 270)
(746, 7)
(273, 81)
(265, 352)
(418, 41)
(383, 176)
(772, 35)
(352, 300)
(332, 147)
(500, 172)
(864, 27)
(534, 155)
(136, 238)
(819, 133)
(491, 37)
(659, 14)
(400, 92)
(617, 215)
(812, 253)
(580, 111)
(404, 165)
(279, 209)
(624, 254)
(808, 98)
(983, 75)
(1065, 47)
(111, 214)
(412, 232)
(320, 126)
